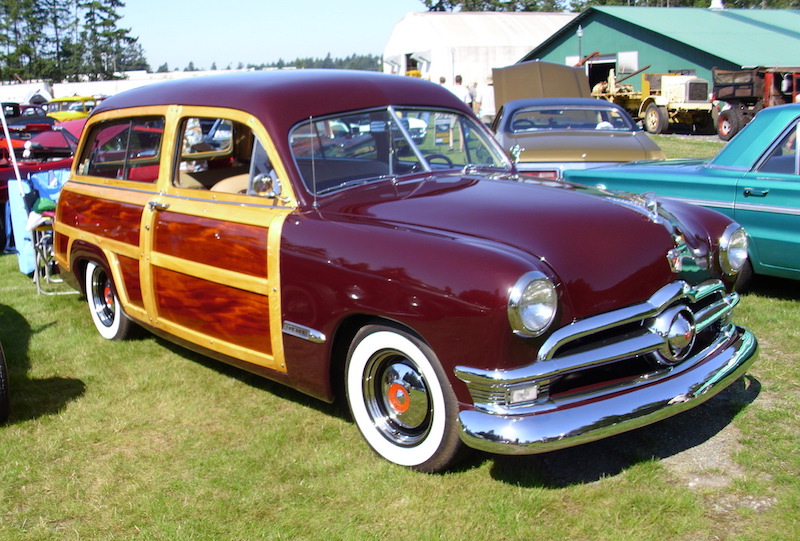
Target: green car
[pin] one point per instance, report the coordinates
(755, 180)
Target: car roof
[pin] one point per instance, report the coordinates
(281, 98)
(744, 150)
(73, 98)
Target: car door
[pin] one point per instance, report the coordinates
(211, 249)
(768, 206)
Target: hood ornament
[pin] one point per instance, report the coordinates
(515, 152)
(651, 205)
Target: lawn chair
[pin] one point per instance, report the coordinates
(32, 213)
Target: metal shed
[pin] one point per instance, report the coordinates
(470, 44)
(674, 39)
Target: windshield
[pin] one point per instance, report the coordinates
(570, 118)
(339, 151)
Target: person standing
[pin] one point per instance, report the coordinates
(462, 92)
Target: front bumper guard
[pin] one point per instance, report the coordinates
(578, 422)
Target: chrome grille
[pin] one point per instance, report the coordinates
(609, 339)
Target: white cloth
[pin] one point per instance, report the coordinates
(462, 93)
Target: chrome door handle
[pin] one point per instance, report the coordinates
(755, 193)
(158, 205)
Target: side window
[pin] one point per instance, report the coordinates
(124, 149)
(784, 158)
(214, 154)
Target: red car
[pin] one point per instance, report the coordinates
(318, 242)
(37, 147)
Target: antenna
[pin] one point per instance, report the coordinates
(313, 163)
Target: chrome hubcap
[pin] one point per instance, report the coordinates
(397, 398)
(103, 297)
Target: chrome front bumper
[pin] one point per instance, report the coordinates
(559, 425)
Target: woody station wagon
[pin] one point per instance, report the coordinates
(290, 223)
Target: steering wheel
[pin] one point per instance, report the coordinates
(523, 124)
(430, 157)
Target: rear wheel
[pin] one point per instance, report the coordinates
(729, 123)
(104, 304)
(401, 400)
(655, 119)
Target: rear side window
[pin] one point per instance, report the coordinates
(124, 149)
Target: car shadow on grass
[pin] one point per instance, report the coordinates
(593, 461)
(31, 398)
(253, 380)
(777, 288)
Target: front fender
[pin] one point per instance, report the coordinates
(452, 291)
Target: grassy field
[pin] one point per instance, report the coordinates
(675, 146)
(145, 440)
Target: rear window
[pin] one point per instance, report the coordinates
(570, 118)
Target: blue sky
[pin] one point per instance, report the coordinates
(227, 32)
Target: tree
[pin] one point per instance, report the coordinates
(65, 39)
(495, 5)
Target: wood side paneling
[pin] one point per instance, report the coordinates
(130, 273)
(218, 311)
(110, 219)
(227, 245)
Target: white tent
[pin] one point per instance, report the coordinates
(470, 44)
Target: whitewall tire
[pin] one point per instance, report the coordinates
(401, 400)
(104, 306)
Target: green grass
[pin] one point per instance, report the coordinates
(686, 147)
(145, 440)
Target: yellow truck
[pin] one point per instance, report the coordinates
(665, 99)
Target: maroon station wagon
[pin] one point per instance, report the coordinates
(362, 235)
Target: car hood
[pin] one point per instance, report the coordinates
(590, 146)
(604, 250)
(640, 170)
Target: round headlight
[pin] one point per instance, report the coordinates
(733, 249)
(532, 304)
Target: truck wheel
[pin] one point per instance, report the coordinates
(729, 124)
(655, 119)
(401, 400)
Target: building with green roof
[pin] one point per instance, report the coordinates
(691, 40)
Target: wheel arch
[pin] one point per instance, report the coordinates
(343, 339)
(81, 254)
(646, 103)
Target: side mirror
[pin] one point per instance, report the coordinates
(267, 186)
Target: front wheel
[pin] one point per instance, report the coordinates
(104, 304)
(401, 400)
(655, 119)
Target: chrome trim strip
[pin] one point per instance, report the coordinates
(792, 211)
(566, 425)
(703, 202)
(156, 193)
(306, 333)
(769, 208)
